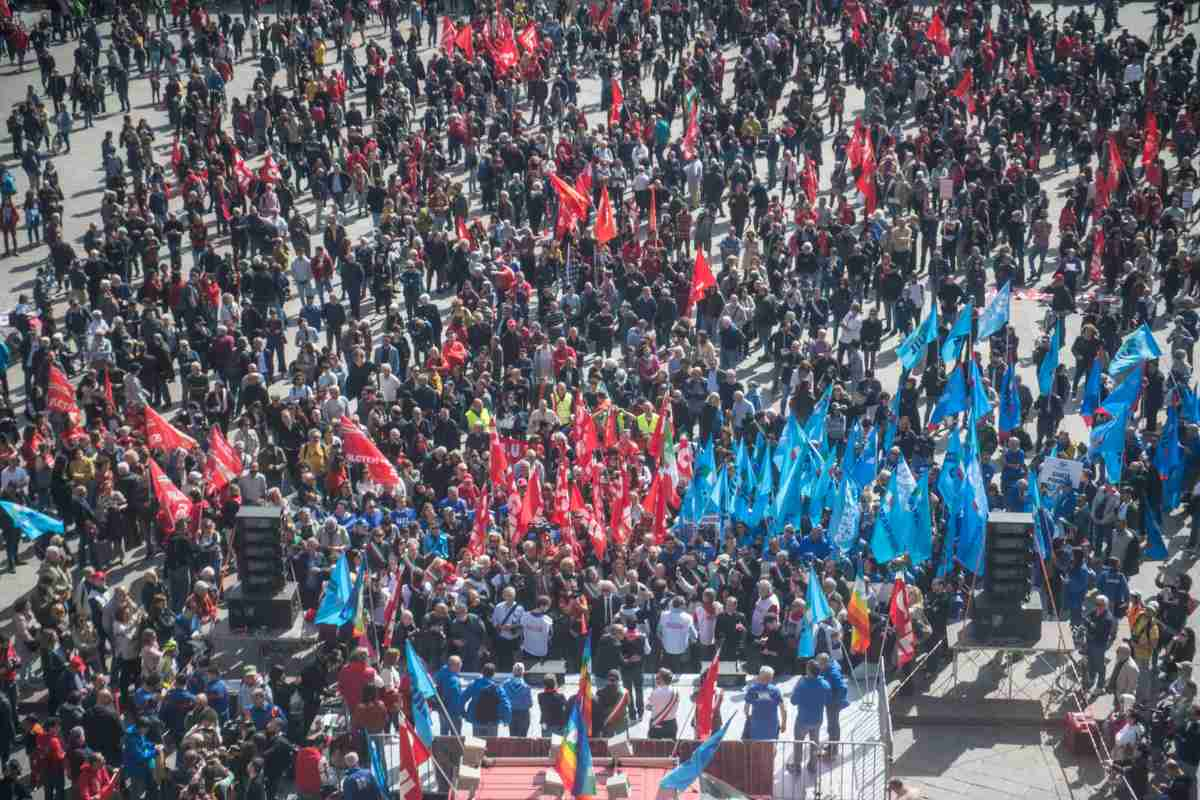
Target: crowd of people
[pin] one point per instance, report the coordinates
(459, 324)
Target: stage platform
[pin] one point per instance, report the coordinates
(1025, 683)
(262, 647)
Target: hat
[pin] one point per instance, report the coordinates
(249, 670)
(614, 675)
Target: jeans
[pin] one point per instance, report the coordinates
(519, 726)
(449, 725)
(1096, 668)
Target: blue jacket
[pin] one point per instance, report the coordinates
(1114, 585)
(837, 683)
(262, 716)
(1079, 580)
(218, 698)
(137, 754)
(810, 697)
(449, 687)
(520, 696)
(471, 698)
(360, 784)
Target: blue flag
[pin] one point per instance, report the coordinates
(981, 404)
(789, 440)
(1108, 442)
(764, 489)
(952, 474)
(844, 521)
(1189, 403)
(1043, 521)
(1137, 347)
(378, 771)
(1168, 460)
(815, 425)
(682, 777)
(1121, 399)
(815, 599)
(1091, 392)
(974, 508)
(1049, 364)
(920, 540)
(336, 608)
(32, 524)
(1156, 548)
(954, 398)
(423, 692)
(912, 349)
(995, 316)
(1010, 401)
(867, 464)
(958, 334)
(889, 434)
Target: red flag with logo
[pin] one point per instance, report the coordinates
(618, 100)
(449, 36)
(936, 32)
(902, 623)
(606, 225)
(245, 175)
(465, 39)
(529, 38)
(162, 435)
(702, 279)
(531, 506)
(706, 700)
(269, 172)
(170, 499)
(60, 395)
(224, 465)
(866, 178)
(412, 755)
(505, 52)
(498, 471)
(359, 449)
(583, 182)
(483, 518)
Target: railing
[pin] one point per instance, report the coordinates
(829, 770)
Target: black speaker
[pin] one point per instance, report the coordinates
(257, 610)
(1008, 554)
(260, 552)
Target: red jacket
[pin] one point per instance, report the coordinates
(51, 755)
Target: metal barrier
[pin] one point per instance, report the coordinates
(389, 749)
(830, 770)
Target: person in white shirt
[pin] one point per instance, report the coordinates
(767, 603)
(506, 619)
(663, 705)
(676, 632)
(705, 615)
(14, 477)
(536, 628)
(389, 384)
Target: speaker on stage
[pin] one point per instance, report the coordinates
(260, 553)
(1005, 610)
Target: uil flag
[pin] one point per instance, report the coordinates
(912, 349)
(902, 623)
(702, 279)
(162, 435)
(170, 499)
(618, 100)
(1137, 347)
(1091, 392)
(1049, 364)
(1010, 401)
(60, 395)
(995, 316)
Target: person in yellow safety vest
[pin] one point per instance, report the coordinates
(647, 421)
(477, 414)
(564, 403)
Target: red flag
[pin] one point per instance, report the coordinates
(449, 36)
(531, 506)
(572, 206)
(1030, 65)
(460, 227)
(1150, 146)
(269, 172)
(483, 518)
(692, 132)
(560, 508)
(595, 530)
(655, 448)
(610, 428)
(170, 499)
(465, 41)
(359, 449)
(245, 175)
(902, 623)
(60, 395)
(706, 700)
(606, 225)
(702, 279)
(583, 182)
(965, 90)
(1095, 268)
(854, 150)
(661, 490)
(1115, 164)
(936, 32)
(583, 432)
(653, 212)
(223, 465)
(810, 181)
(866, 178)
(505, 52)
(109, 400)
(498, 471)
(621, 524)
(176, 152)
(412, 755)
(389, 614)
(162, 435)
(618, 100)
(856, 35)
(529, 38)
(110, 785)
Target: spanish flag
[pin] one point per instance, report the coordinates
(860, 619)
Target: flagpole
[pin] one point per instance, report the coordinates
(677, 733)
(432, 758)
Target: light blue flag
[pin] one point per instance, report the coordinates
(844, 520)
(1168, 460)
(958, 334)
(995, 316)
(889, 435)
(788, 441)
(335, 605)
(720, 500)
(815, 425)
(418, 673)
(1091, 392)
(912, 349)
(764, 489)
(920, 543)
(1121, 399)
(1107, 442)
(743, 484)
(1049, 364)
(1043, 520)
(789, 499)
(32, 524)
(867, 464)
(952, 474)
(886, 542)
(1010, 401)
(972, 534)
(706, 462)
(682, 777)
(852, 441)
(1137, 347)
(1189, 403)
(1156, 548)
(378, 771)
(815, 599)
(954, 398)
(981, 404)
(821, 489)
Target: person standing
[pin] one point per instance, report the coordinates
(520, 699)
(811, 696)
(487, 704)
(676, 632)
(663, 705)
(831, 673)
(766, 715)
(1101, 629)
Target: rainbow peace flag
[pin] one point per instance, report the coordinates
(585, 682)
(574, 761)
(859, 618)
